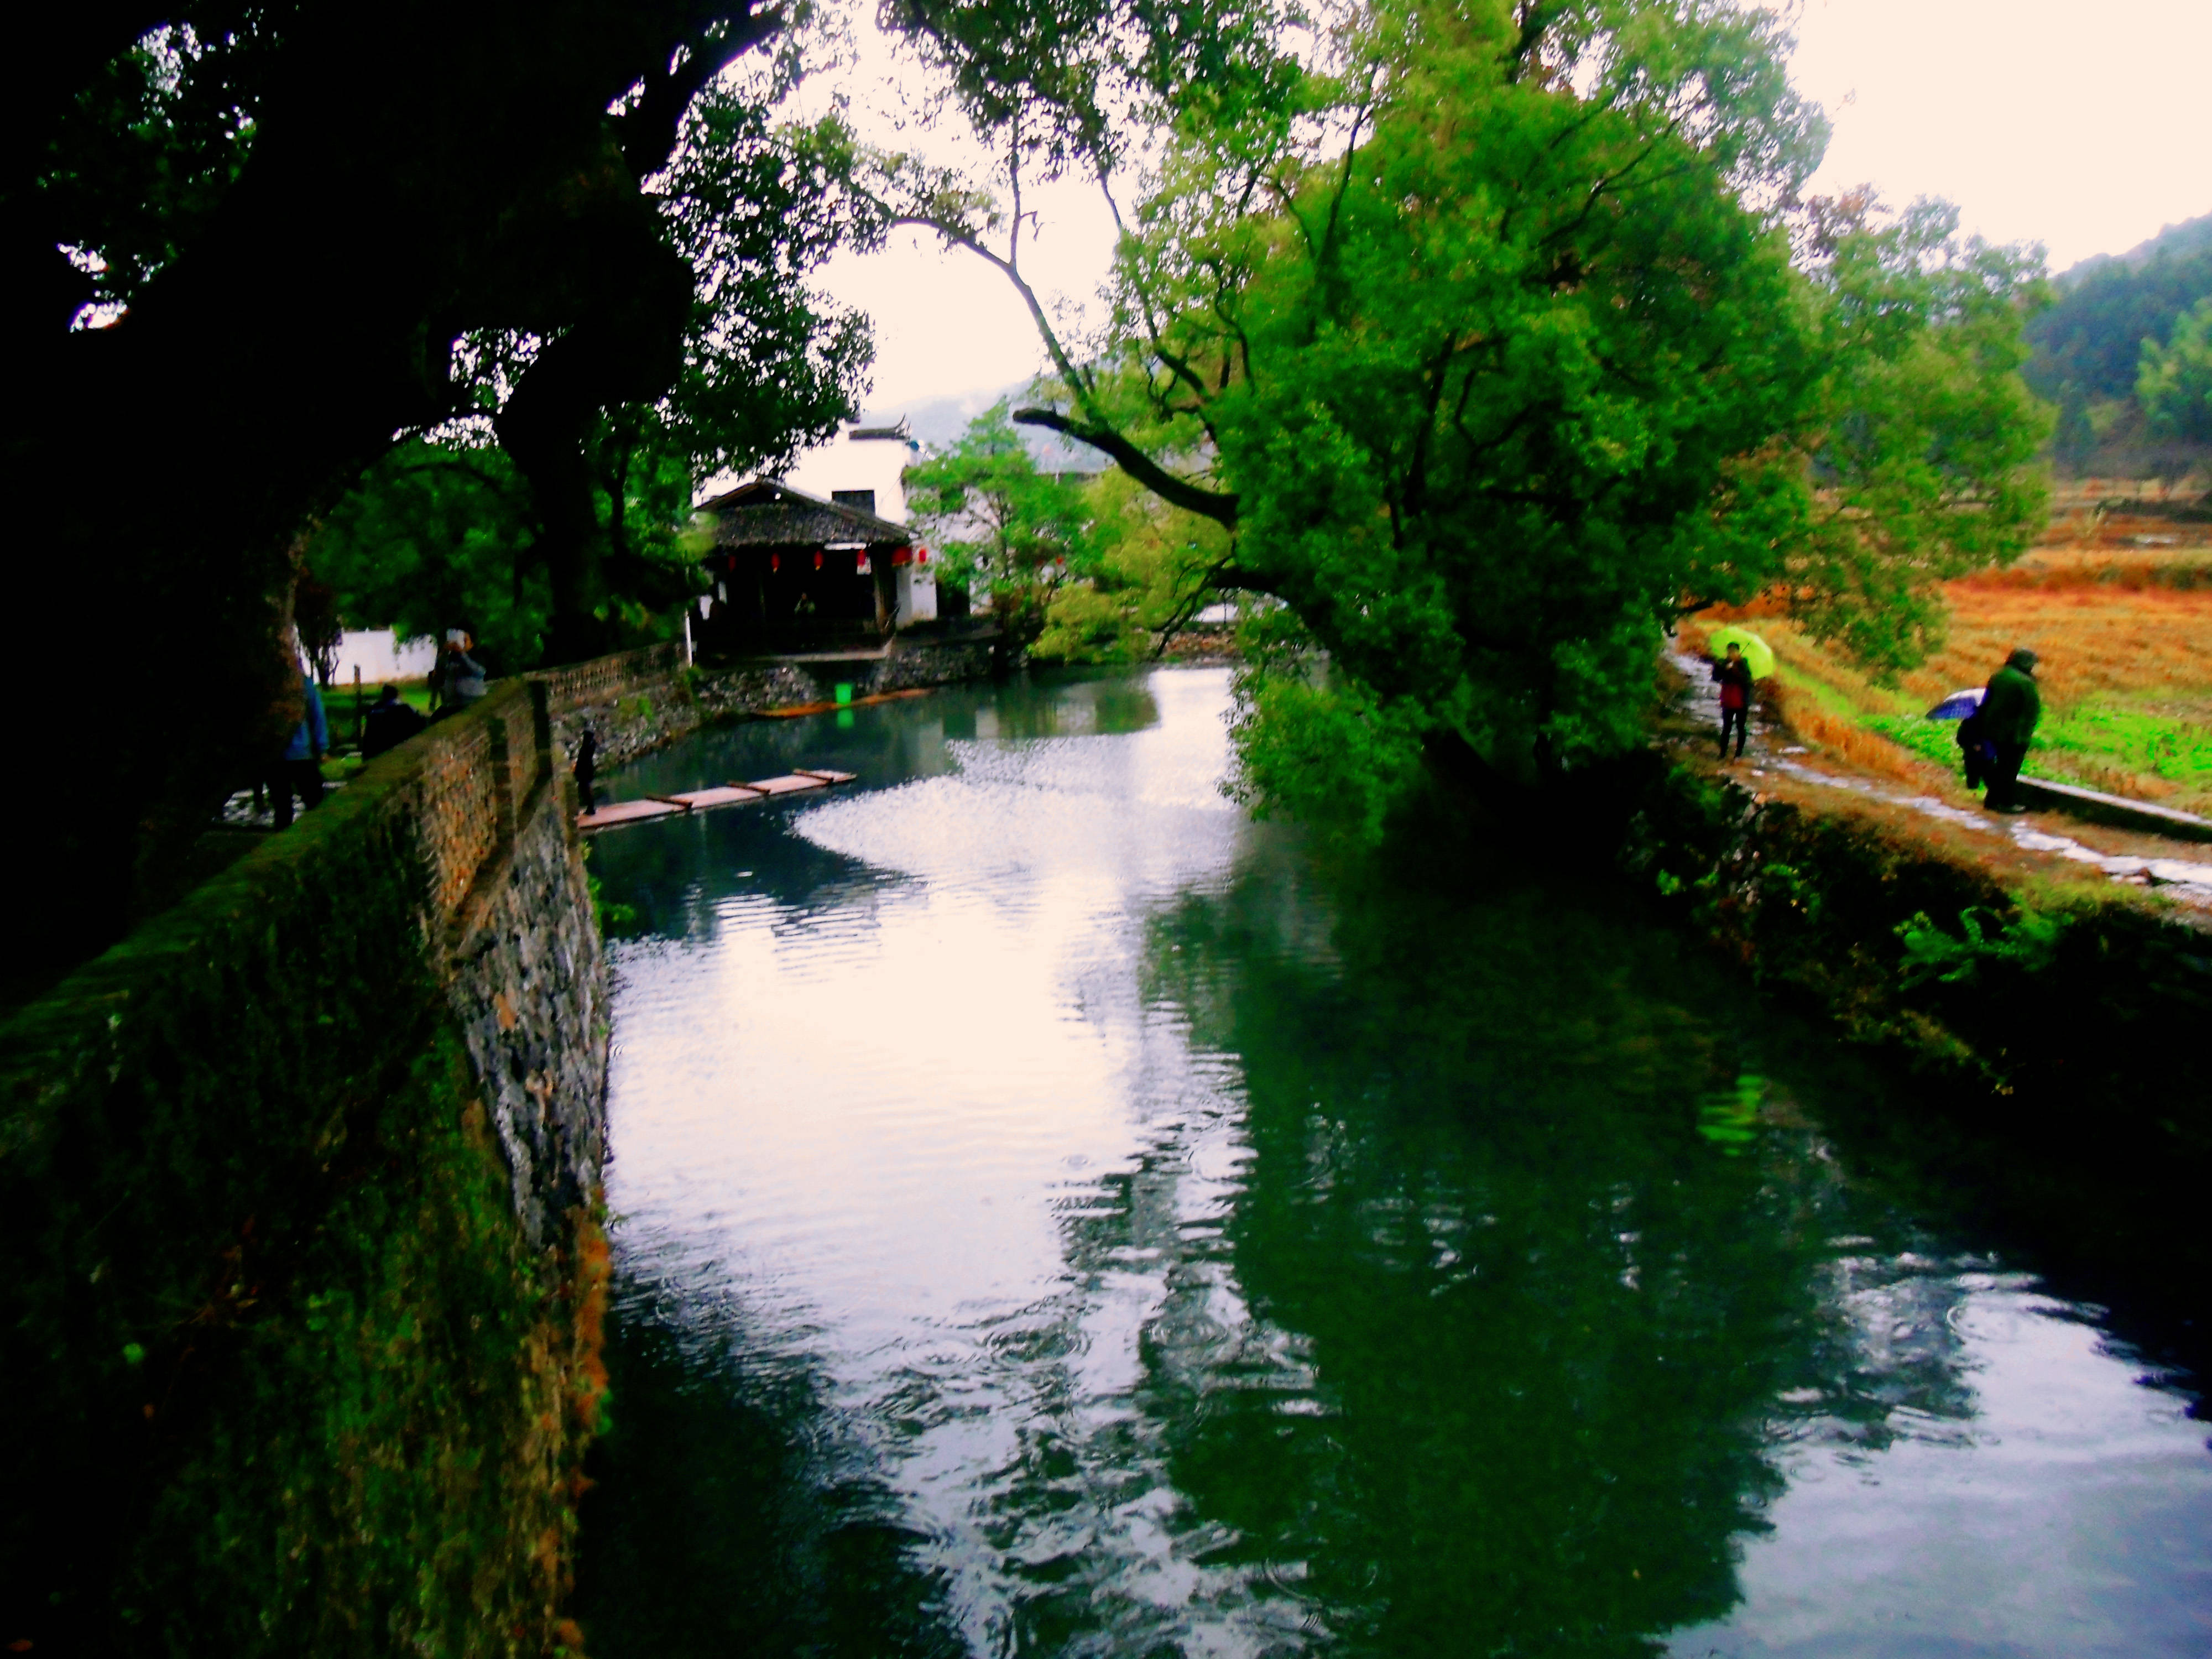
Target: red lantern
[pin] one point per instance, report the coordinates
(818, 561)
(774, 562)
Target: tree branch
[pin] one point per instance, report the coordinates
(648, 131)
(1218, 505)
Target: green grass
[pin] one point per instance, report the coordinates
(2079, 745)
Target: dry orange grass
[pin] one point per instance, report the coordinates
(1844, 739)
(2145, 645)
(2096, 638)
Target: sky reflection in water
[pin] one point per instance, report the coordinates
(1054, 1219)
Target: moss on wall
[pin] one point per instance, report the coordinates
(285, 1374)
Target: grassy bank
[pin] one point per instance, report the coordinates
(2075, 1002)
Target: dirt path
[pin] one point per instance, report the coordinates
(2177, 868)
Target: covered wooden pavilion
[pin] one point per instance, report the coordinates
(793, 572)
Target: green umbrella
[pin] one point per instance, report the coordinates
(1756, 652)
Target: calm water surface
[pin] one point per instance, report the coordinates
(1054, 1218)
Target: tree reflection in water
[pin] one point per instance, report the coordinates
(1554, 1335)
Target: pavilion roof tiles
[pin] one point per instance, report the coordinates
(768, 514)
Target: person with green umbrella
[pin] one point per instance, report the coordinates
(1733, 672)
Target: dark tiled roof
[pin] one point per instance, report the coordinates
(766, 513)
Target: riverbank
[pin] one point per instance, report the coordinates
(2036, 961)
(299, 1192)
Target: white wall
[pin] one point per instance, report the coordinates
(380, 657)
(877, 464)
(868, 464)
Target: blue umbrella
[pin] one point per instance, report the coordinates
(1958, 705)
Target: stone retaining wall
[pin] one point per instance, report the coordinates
(297, 1190)
(644, 700)
(2083, 1014)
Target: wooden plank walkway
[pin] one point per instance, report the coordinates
(646, 808)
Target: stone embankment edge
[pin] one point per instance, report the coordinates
(298, 1184)
(646, 700)
(2082, 1021)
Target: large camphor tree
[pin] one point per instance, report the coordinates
(1500, 336)
(252, 246)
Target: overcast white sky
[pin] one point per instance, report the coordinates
(2084, 127)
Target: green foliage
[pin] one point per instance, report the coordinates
(445, 529)
(1143, 568)
(148, 149)
(769, 366)
(436, 536)
(2091, 336)
(1312, 745)
(1492, 350)
(2174, 383)
(2027, 942)
(1004, 530)
(1918, 436)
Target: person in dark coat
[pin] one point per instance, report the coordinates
(587, 771)
(2010, 707)
(389, 723)
(1973, 748)
(1733, 673)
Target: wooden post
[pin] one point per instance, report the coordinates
(360, 728)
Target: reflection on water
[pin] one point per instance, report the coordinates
(1055, 1219)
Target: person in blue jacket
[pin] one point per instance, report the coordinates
(302, 769)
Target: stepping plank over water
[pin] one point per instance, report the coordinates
(728, 794)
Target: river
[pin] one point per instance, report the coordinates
(1055, 1214)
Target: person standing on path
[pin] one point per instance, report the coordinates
(2010, 707)
(1733, 672)
(587, 771)
(302, 769)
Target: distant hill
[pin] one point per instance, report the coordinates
(2091, 338)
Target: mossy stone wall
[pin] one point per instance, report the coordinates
(296, 1186)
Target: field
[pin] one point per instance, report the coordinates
(2124, 633)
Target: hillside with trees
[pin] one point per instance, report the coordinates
(2120, 352)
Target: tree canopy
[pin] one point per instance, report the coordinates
(2174, 381)
(1500, 336)
(253, 247)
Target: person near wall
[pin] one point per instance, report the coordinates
(2010, 707)
(458, 680)
(587, 771)
(389, 723)
(302, 769)
(1733, 674)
